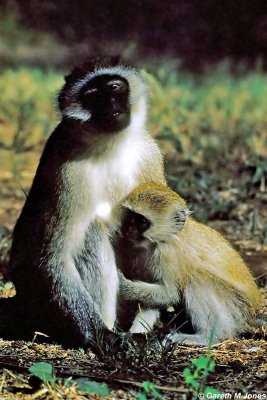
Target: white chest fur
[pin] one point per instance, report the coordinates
(95, 187)
(113, 179)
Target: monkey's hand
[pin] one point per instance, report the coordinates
(150, 294)
(123, 281)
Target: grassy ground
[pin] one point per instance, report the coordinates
(213, 131)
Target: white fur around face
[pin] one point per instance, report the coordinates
(75, 111)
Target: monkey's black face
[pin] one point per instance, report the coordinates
(106, 97)
(134, 225)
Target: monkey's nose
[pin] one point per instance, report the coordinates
(116, 107)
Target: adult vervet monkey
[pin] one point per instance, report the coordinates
(62, 262)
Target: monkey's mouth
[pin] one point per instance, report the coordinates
(119, 113)
(112, 120)
(117, 120)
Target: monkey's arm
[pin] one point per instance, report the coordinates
(150, 294)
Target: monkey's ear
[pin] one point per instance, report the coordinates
(67, 78)
(76, 74)
(180, 218)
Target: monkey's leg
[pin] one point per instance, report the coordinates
(67, 291)
(216, 309)
(150, 294)
(97, 268)
(110, 281)
(218, 315)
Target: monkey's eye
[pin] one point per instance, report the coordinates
(143, 223)
(115, 85)
(144, 220)
(135, 222)
(91, 90)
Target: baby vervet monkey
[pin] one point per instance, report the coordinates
(187, 261)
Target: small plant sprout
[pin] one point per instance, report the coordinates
(196, 374)
(149, 392)
(45, 372)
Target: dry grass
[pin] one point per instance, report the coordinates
(240, 367)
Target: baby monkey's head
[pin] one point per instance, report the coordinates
(152, 212)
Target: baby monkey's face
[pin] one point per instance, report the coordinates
(152, 213)
(154, 228)
(134, 225)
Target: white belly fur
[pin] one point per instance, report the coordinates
(95, 188)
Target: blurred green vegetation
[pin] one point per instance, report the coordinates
(21, 46)
(210, 115)
(27, 107)
(205, 117)
(215, 125)
(12, 33)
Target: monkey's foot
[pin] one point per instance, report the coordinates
(144, 321)
(183, 338)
